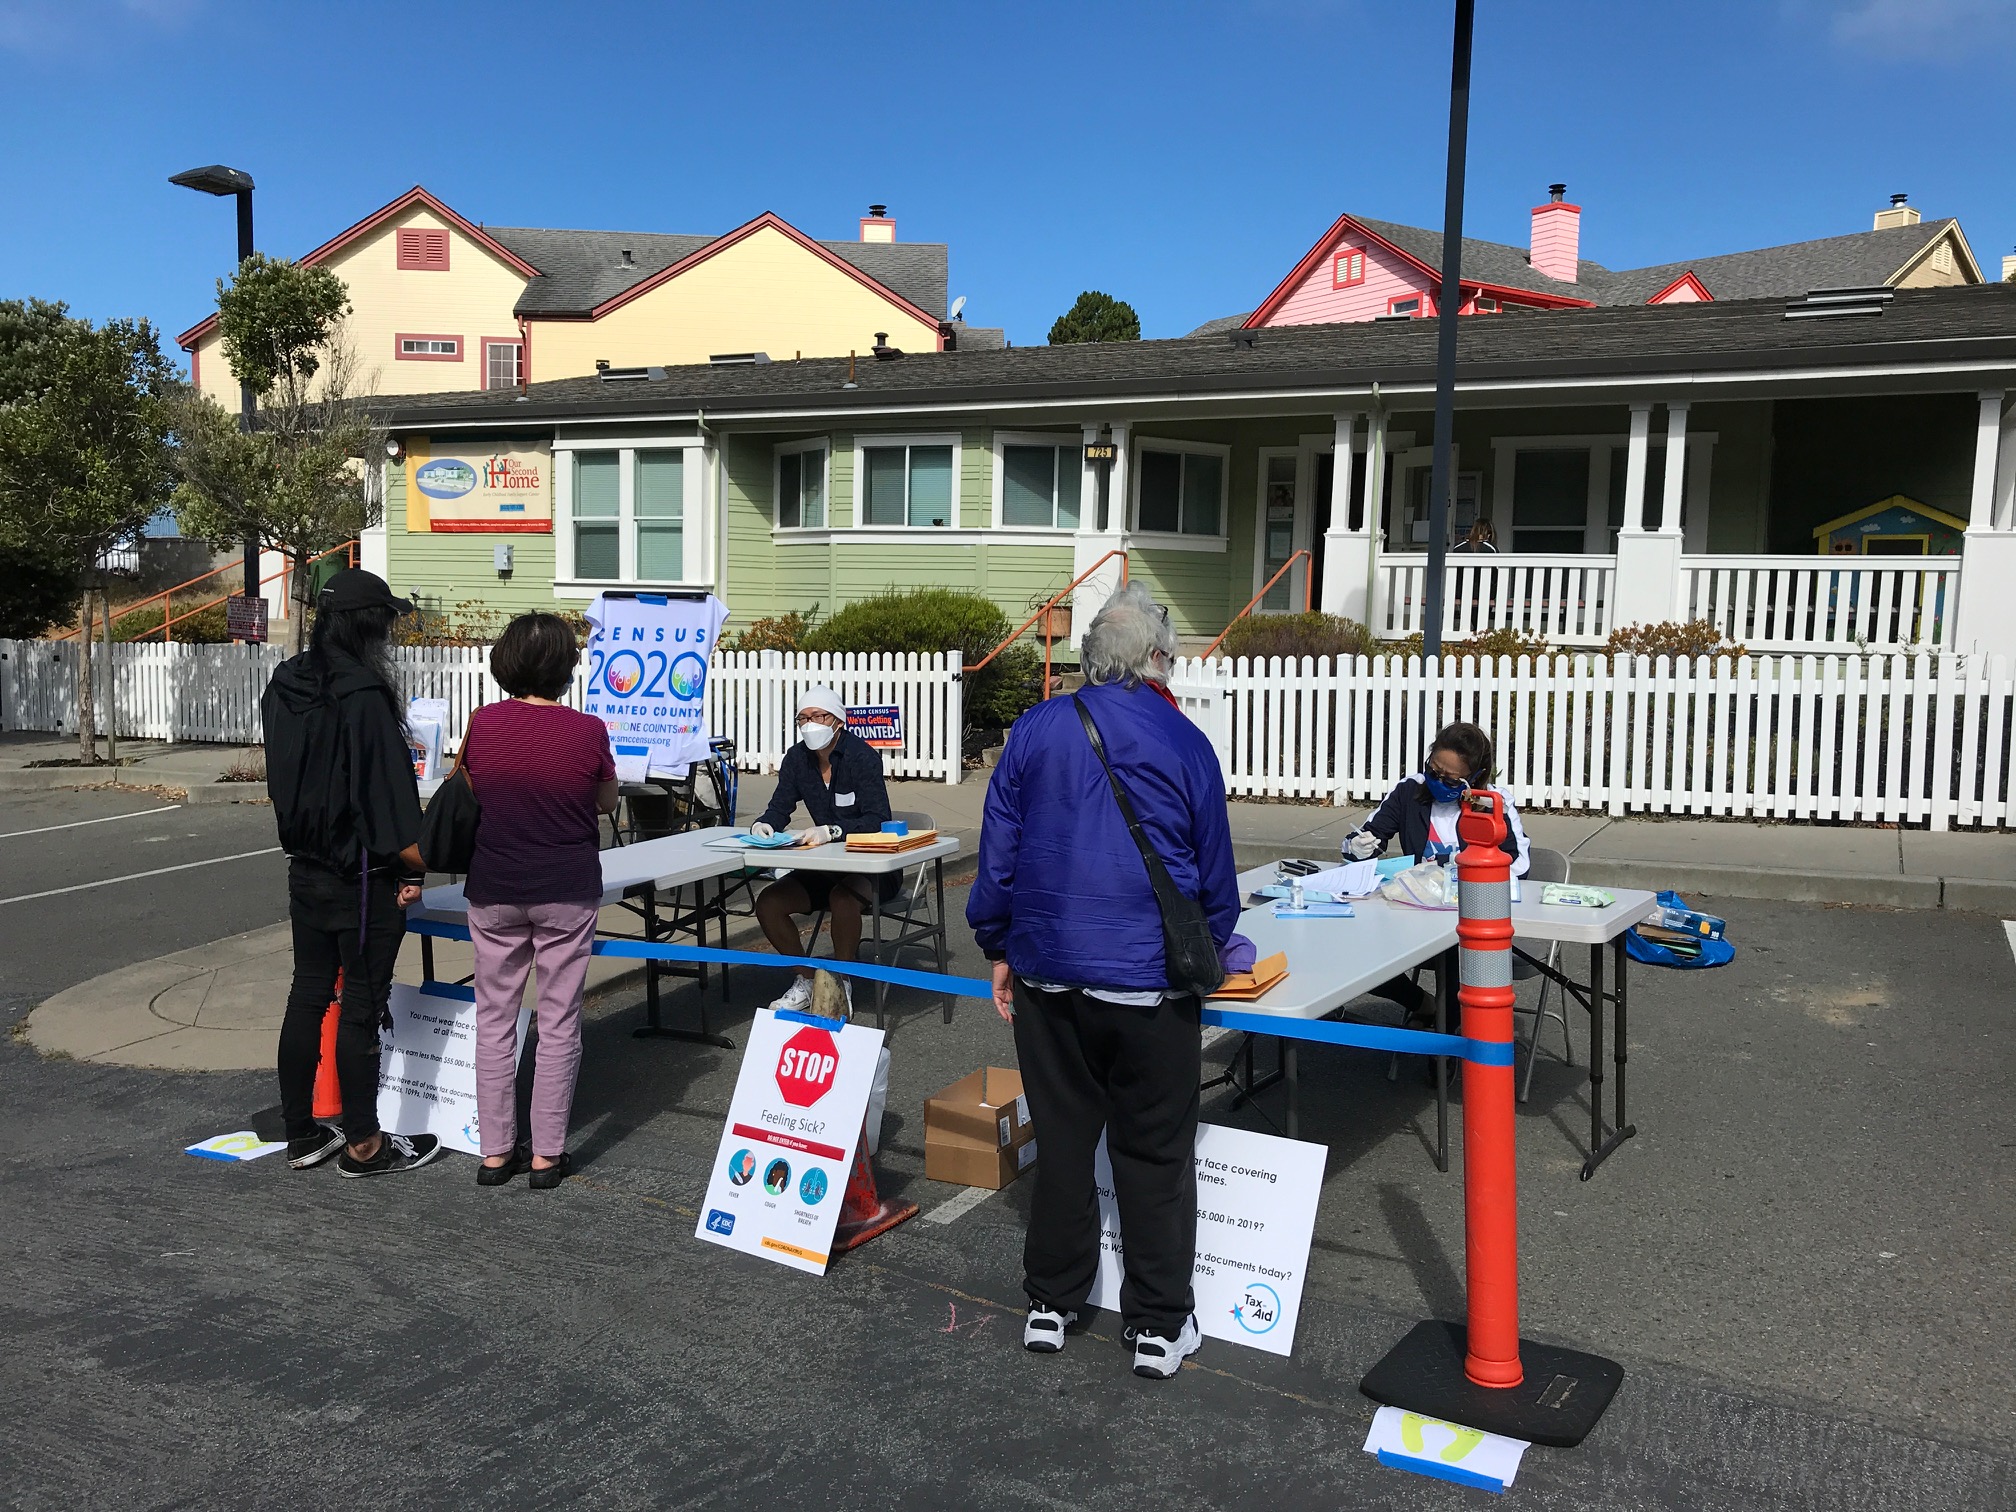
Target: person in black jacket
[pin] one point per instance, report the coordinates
(1421, 814)
(341, 779)
(838, 777)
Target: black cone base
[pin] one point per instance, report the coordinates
(1564, 1393)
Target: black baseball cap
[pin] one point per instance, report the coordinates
(354, 588)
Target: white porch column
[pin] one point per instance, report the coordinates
(1347, 553)
(1986, 619)
(1676, 469)
(1648, 561)
(1090, 542)
(1375, 522)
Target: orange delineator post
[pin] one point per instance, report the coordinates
(1490, 1174)
(328, 1092)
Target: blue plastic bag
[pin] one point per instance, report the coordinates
(1713, 952)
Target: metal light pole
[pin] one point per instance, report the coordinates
(1448, 299)
(219, 180)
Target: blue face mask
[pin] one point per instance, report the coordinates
(1443, 791)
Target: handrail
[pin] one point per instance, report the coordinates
(1307, 586)
(1044, 608)
(169, 619)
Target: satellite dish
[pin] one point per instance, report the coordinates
(957, 305)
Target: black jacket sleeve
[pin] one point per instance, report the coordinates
(383, 793)
(784, 798)
(1386, 822)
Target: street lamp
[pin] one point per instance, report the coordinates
(219, 180)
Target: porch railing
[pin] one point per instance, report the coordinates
(1814, 603)
(1565, 600)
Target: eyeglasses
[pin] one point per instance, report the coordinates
(1462, 774)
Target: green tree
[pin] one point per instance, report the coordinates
(28, 330)
(85, 452)
(1096, 317)
(302, 479)
(40, 591)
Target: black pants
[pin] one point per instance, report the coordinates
(1088, 1065)
(325, 909)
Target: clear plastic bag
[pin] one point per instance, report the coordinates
(1422, 887)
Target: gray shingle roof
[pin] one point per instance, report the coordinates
(1862, 259)
(579, 270)
(1619, 341)
(1487, 261)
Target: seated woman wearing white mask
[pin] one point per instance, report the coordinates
(838, 777)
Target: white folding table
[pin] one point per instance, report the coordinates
(833, 856)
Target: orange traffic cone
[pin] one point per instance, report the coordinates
(328, 1094)
(863, 1212)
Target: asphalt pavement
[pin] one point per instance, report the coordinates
(1801, 1261)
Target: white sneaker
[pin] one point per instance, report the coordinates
(797, 997)
(1159, 1358)
(1043, 1333)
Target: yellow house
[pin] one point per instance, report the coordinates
(440, 303)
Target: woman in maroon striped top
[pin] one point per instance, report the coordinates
(541, 772)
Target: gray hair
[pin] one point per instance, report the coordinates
(1124, 636)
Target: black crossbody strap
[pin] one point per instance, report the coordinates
(1158, 874)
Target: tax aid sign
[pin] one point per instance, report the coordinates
(786, 1149)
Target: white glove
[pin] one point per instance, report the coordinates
(1363, 846)
(761, 830)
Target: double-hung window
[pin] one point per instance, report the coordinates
(623, 513)
(1180, 490)
(1039, 481)
(911, 483)
(503, 363)
(598, 527)
(801, 485)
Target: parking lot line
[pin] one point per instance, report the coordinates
(958, 1207)
(78, 823)
(159, 871)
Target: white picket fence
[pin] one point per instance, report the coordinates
(1893, 738)
(211, 693)
(1565, 600)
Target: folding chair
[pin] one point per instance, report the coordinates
(1544, 866)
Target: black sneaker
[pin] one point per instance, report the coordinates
(396, 1152)
(315, 1148)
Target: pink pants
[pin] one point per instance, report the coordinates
(509, 938)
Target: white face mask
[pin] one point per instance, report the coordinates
(816, 736)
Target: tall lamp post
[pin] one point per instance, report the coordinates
(1448, 300)
(219, 180)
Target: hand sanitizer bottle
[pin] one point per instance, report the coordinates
(1295, 899)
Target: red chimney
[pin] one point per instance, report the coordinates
(1557, 236)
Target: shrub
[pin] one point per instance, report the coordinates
(942, 619)
(782, 632)
(204, 628)
(1672, 640)
(1295, 635)
(469, 623)
(1492, 643)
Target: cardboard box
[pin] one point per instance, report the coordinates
(977, 1131)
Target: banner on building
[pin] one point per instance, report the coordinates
(498, 489)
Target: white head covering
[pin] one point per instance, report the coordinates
(821, 697)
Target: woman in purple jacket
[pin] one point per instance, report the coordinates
(1064, 909)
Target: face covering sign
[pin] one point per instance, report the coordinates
(647, 673)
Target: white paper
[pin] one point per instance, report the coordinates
(1437, 1447)
(1354, 879)
(1256, 1213)
(427, 1068)
(781, 1170)
(243, 1145)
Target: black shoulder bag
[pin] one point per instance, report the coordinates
(448, 827)
(1189, 951)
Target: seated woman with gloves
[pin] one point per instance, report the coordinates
(838, 777)
(1421, 812)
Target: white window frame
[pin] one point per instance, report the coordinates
(777, 455)
(1606, 450)
(1072, 442)
(1163, 540)
(863, 444)
(697, 552)
(1302, 526)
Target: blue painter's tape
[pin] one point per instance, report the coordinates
(1366, 1036)
(1440, 1471)
(793, 1016)
(462, 992)
(653, 598)
(213, 1155)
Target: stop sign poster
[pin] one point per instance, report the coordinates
(781, 1171)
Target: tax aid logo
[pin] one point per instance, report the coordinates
(806, 1067)
(1258, 1308)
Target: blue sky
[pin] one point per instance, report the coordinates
(1181, 156)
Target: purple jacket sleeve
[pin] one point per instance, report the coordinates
(990, 905)
(1217, 875)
